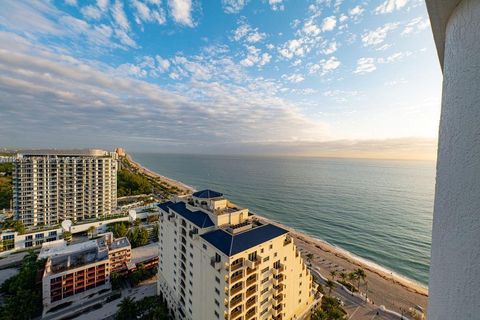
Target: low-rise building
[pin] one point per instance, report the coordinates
(12, 241)
(120, 254)
(74, 272)
(217, 261)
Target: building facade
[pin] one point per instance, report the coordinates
(13, 241)
(74, 272)
(217, 261)
(119, 254)
(50, 186)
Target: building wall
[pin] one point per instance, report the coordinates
(204, 289)
(13, 241)
(48, 189)
(454, 283)
(119, 258)
(70, 285)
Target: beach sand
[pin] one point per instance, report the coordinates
(174, 183)
(384, 287)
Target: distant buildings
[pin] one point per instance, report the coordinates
(13, 241)
(80, 270)
(218, 262)
(50, 186)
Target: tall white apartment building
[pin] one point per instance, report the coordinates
(217, 261)
(50, 186)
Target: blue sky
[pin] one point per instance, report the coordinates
(320, 77)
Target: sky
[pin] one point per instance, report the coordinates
(287, 77)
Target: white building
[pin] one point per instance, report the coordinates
(12, 241)
(50, 186)
(218, 262)
(454, 284)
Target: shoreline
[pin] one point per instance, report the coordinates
(391, 289)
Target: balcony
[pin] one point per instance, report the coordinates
(236, 300)
(250, 291)
(253, 264)
(236, 312)
(236, 266)
(236, 289)
(278, 298)
(279, 270)
(278, 288)
(236, 277)
(250, 313)
(278, 280)
(250, 302)
(251, 280)
(277, 311)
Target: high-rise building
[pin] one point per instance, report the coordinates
(218, 261)
(50, 186)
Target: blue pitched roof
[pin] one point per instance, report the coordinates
(207, 194)
(198, 218)
(232, 244)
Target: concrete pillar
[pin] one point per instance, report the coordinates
(455, 265)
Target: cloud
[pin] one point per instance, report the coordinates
(356, 11)
(181, 11)
(144, 13)
(255, 57)
(295, 78)
(325, 66)
(91, 11)
(246, 33)
(365, 65)
(416, 25)
(395, 57)
(293, 47)
(329, 23)
(95, 104)
(311, 29)
(233, 6)
(390, 5)
(330, 48)
(119, 16)
(377, 36)
(276, 5)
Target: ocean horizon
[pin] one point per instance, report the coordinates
(378, 210)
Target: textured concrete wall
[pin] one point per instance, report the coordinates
(455, 265)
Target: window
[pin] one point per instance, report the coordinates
(271, 247)
(217, 279)
(217, 291)
(264, 290)
(266, 259)
(217, 303)
(204, 246)
(252, 256)
(217, 315)
(265, 270)
(264, 301)
(265, 280)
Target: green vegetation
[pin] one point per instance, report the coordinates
(155, 232)
(149, 308)
(16, 225)
(131, 182)
(330, 309)
(119, 229)
(141, 274)
(6, 191)
(67, 235)
(138, 237)
(23, 294)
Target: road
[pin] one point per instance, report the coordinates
(355, 306)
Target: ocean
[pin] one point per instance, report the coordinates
(379, 210)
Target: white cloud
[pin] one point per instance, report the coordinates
(255, 57)
(276, 5)
(329, 23)
(119, 16)
(91, 12)
(356, 11)
(245, 32)
(233, 6)
(331, 48)
(181, 11)
(291, 48)
(71, 2)
(390, 5)
(398, 56)
(325, 66)
(144, 13)
(365, 65)
(310, 28)
(416, 25)
(295, 78)
(377, 36)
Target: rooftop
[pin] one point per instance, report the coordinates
(207, 194)
(198, 218)
(65, 152)
(231, 243)
(120, 243)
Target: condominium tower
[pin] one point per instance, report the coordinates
(50, 186)
(218, 261)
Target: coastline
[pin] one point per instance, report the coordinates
(385, 287)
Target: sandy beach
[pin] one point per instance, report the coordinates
(183, 187)
(386, 288)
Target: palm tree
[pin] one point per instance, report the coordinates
(343, 276)
(352, 276)
(330, 285)
(127, 309)
(361, 275)
(333, 274)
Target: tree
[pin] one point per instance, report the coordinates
(360, 276)
(333, 274)
(19, 227)
(330, 309)
(91, 232)
(119, 229)
(330, 284)
(343, 276)
(67, 235)
(127, 309)
(115, 279)
(138, 237)
(155, 232)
